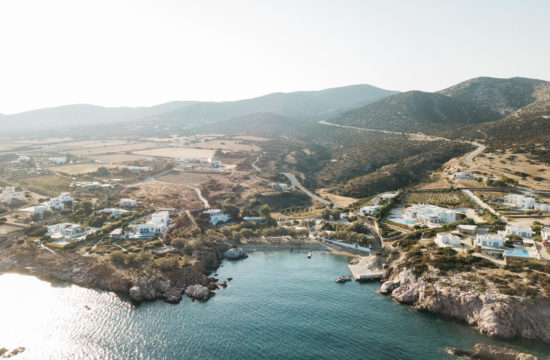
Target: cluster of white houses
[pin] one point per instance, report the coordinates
(189, 163)
(55, 203)
(65, 232)
(58, 160)
(525, 203)
(158, 224)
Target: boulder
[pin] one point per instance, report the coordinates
(197, 291)
(135, 293)
(387, 287)
(235, 254)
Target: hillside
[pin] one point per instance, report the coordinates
(503, 96)
(415, 111)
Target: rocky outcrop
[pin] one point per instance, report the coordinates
(387, 287)
(235, 254)
(144, 282)
(491, 352)
(197, 291)
(493, 313)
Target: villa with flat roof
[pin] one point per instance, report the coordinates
(429, 214)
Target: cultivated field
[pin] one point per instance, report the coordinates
(441, 198)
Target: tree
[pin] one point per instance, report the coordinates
(117, 257)
(265, 212)
(178, 243)
(232, 211)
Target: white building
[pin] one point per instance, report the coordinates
(157, 225)
(114, 211)
(36, 209)
(429, 214)
(216, 216)
(447, 239)
(216, 164)
(545, 233)
(152, 159)
(23, 158)
(58, 203)
(9, 195)
(281, 187)
(369, 210)
(490, 241)
(463, 175)
(64, 231)
(542, 207)
(523, 231)
(387, 196)
(86, 185)
(135, 169)
(127, 202)
(58, 160)
(520, 201)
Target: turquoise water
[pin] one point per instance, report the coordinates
(517, 253)
(402, 221)
(280, 305)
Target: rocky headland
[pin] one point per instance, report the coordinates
(139, 282)
(453, 296)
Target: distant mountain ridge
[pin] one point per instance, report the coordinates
(302, 104)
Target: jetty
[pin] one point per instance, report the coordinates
(365, 270)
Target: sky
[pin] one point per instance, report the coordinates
(141, 53)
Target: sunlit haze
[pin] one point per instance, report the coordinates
(137, 52)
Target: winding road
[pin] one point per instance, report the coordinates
(294, 182)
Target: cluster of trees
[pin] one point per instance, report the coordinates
(503, 181)
(356, 232)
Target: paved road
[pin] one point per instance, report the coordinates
(469, 159)
(296, 183)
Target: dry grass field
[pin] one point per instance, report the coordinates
(159, 194)
(48, 184)
(114, 149)
(119, 158)
(343, 201)
(77, 169)
(228, 145)
(179, 152)
(7, 229)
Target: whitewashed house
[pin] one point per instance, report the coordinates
(545, 233)
(542, 207)
(281, 187)
(157, 225)
(447, 239)
(58, 203)
(520, 201)
(113, 211)
(36, 209)
(65, 231)
(463, 175)
(58, 160)
(495, 241)
(523, 231)
(387, 196)
(9, 195)
(216, 216)
(429, 214)
(369, 210)
(127, 202)
(23, 158)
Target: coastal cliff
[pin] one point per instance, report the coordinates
(493, 313)
(145, 282)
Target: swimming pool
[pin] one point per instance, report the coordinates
(517, 253)
(402, 221)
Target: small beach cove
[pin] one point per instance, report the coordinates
(279, 305)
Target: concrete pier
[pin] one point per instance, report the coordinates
(363, 272)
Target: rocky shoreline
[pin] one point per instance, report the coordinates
(137, 284)
(491, 312)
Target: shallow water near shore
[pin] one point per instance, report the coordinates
(279, 305)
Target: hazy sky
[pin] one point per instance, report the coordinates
(137, 52)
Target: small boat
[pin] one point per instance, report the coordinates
(343, 279)
(309, 255)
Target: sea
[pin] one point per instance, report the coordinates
(279, 305)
